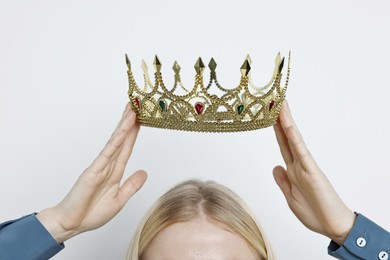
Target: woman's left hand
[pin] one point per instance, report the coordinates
(308, 192)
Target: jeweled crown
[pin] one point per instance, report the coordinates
(200, 109)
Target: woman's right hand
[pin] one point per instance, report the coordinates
(99, 194)
(307, 190)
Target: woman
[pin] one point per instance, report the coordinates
(97, 197)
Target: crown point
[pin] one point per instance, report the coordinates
(278, 58)
(199, 66)
(176, 67)
(281, 65)
(157, 64)
(144, 66)
(248, 58)
(212, 64)
(245, 68)
(128, 63)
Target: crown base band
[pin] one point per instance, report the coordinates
(207, 127)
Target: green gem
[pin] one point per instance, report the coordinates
(163, 105)
(240, 108)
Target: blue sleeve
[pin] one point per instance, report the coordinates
(366, 240)
(26, 238)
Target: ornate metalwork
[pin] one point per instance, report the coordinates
(243, 108)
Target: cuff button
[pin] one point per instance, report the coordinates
(383, 255)
(361, 242)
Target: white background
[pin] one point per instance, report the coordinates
(63, 87)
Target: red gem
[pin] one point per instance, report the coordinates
(271, 104)
(137, 102)
(199, 108)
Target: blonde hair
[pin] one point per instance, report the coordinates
(190, 199)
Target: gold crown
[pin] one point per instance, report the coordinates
(243, 108)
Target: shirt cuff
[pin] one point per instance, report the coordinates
(366, 240)
(27, 238)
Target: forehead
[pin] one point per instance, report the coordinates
(198, 239)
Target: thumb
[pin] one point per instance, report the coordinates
(281, 178)
(131, 186)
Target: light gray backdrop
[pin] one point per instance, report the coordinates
(63, 87)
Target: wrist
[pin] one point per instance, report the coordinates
(340, 234)
(50, 219)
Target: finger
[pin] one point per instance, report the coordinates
(125, 112)
(127, 109)
(121, 157)
(131, 186)
(297, 146)
(283, 143)
(115, 143)
(127, 148)
(281, 178)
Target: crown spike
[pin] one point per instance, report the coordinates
(248, 58)
(278, 58)
(157, 64)
(176, 67)
(144, 66)
(281, 65)
(128, 63)
(199, 66)
(245, 68)
(212, 64)
(289, 57)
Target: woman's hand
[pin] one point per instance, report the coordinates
(308, 192)
(98, 195)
